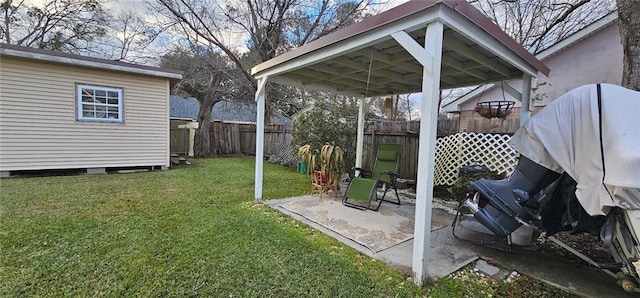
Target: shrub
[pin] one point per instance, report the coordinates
(323, 124)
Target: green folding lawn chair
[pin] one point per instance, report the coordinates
(362, 190)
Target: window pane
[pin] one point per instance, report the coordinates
(101, 112)
(100, 103)
(86, 91)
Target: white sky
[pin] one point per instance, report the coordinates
(138, 5)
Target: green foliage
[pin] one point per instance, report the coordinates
(462, 186)
(329, 124)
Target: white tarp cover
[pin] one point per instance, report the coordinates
(565, 136)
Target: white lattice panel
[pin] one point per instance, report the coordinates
(455, 151)
(283, 153)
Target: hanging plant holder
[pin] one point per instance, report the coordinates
(495, 109)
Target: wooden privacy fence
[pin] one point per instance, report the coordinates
(494, 125)
(240, 138)
(231, 138)
(445, 127)
(274, 137)
(225, 138)
(179, 141)
(452, 150)
(405, 133)
(178, 137)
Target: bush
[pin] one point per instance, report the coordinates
(323, 124)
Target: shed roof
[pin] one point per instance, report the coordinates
(365, 59)
(84, 61)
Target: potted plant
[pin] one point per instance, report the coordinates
(332, 163)
(326, 165)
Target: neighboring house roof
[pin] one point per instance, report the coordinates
(552, 50)
(188, 107)
(89, 62)
(583, 33)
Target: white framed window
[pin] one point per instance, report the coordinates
(98, 103)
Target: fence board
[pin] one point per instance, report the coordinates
(490, 149)
(179, 141)
(178, 137)
(274, 137)
(476, 123)
(408, 160)
(225, 138)
(233, 138)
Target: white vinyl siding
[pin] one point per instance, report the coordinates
(98, 103)
(40, 129)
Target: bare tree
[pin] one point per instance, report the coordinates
(258, 26)
(629, 24)
(538, 24)
(252, 31)
(78, 26)
(208, 76)
(406, 106)
(132, 39)
(63, 25)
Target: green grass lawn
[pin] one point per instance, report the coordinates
(187, 231)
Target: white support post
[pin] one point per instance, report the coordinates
(409, 44)
(360, 136)
(260, 98)
(192, 126)
(427, 151)
(525, 113)
(192, 140)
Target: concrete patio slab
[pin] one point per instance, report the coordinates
(449, 254)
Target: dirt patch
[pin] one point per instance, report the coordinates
(587, 244)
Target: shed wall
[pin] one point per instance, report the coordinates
(39, 130)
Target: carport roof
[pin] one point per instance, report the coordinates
(364, 58)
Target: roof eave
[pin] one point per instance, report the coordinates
(578, 36)
(384, 21)
(364, 26)
(483, 23)
(89, 62)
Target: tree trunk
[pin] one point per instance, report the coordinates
(629, 24)
(202, 146)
